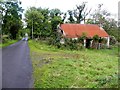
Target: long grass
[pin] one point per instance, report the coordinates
(55, 68)
(7, 43)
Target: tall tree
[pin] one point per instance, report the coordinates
(1, 16)
(103, 18)
(55, 21)
(100, 16)
(64, 17)
(1, 10)
(55, 15)
(55, 12)
(81, 12)
(38, 20)
(12, 18)
(71, 17)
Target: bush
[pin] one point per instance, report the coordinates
(71, 44)
(112, 40)
(96, 38)
(5, 38)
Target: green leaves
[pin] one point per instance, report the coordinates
(55, 12)
(35, 18)
(43, 21)
(12, 18)
(96, 38)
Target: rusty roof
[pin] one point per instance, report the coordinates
(76, 30)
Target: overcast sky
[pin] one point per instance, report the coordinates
(64, 5)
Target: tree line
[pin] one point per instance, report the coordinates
(42, 22)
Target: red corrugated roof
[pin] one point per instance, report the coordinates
(75, 30)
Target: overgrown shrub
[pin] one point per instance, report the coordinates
(112, 40)
(96, 38)
(5, 38)
(73, 44)
(69, 43)
(77, 44)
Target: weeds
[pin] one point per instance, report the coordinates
(57, 68)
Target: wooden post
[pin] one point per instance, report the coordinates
(84, 42)
(108, 41)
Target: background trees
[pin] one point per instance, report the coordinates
(104, 19)
(55, 18)
(11, 20)
(79, 14)
(34, 20)
(44, 21)
(71, 17)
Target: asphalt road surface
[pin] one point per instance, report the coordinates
(16, 66)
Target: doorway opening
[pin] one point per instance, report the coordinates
(88, 43)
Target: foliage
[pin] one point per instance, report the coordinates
(103, 18)
(1, 13)
(73, 44)
(21, 33)
(99, 16)
(114, 31)
(5, 38)
(71, 17)
(55, 12)
(55, 18)
(56, 68)
(108, 81)
(112, 40)
(101, 40)
(7, 42)
(64, 17)
(55, 21)
(90, 21)
(34, 19)
(12, 18)
(43, 21)
(96, 38)
(69, 44)
(78, 14)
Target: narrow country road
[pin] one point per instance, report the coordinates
(16, 66)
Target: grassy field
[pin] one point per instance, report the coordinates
(55, 68)
(7, 43)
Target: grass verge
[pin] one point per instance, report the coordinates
(55, 68)
(7, 43)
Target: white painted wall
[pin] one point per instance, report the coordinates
(84, 42)
(62, 41)
(74, 38)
